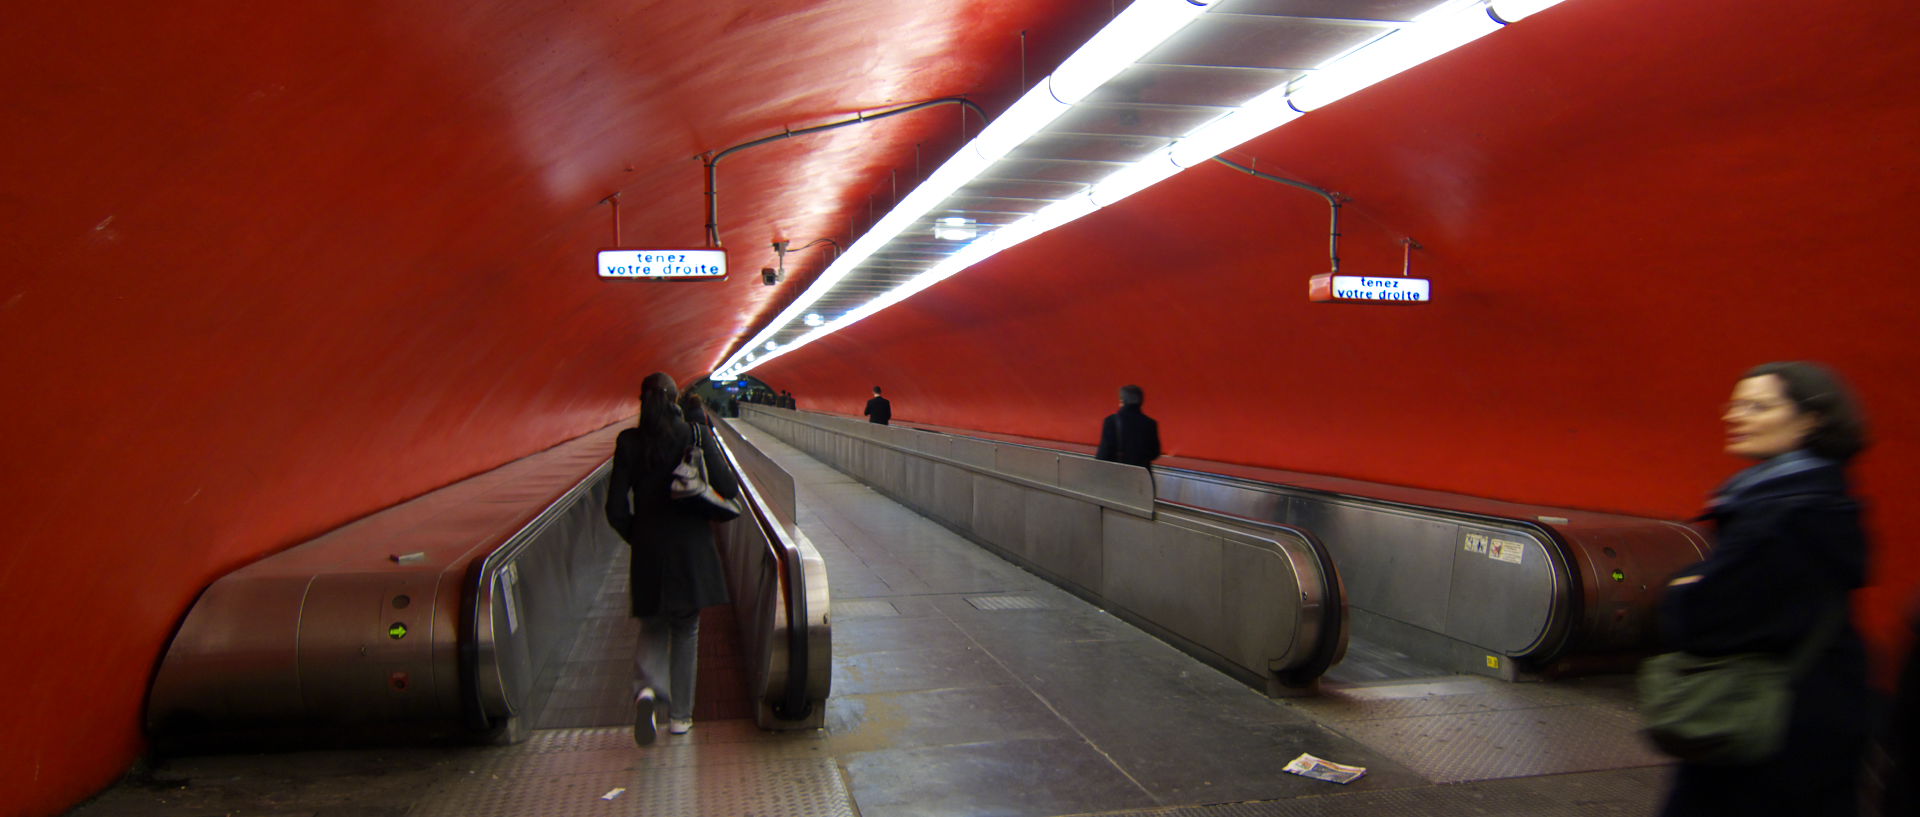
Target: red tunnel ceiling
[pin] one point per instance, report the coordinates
(1622, 204)
(271, 269)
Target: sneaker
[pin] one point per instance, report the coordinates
(679, 726)
(645, 730)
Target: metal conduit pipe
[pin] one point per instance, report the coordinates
(1333, 201)
(713, 192)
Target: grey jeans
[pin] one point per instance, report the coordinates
(669, 648)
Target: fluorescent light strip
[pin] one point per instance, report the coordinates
(1444, 28)
(1143, 27)
(1097, 61)
(1430, 35)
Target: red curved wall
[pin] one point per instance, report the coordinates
(268, 269)
(271, 269)
(1623, 205)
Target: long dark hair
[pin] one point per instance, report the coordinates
(659, 408)
(1841, 429)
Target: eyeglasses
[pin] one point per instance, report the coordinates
(1751, 407)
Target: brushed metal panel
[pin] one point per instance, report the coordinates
(347, 657)
(1172, 580)
(772, 482)
(913, 485)
(897, 436)
(1125, 486)
(1396, 565)
(1063, 538)
(952, 495)
(1260, 590)
(1000, 514)
(969, 451)
(1501, 604)
(1037, 464)
(1123, 536)
(232, 660)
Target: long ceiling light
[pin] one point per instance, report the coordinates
(1121, 45)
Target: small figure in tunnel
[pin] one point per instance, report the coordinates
(786, 400)
(878, 409)
(1789, 552)
(1128, 435)
(675, 570)
(694, 409)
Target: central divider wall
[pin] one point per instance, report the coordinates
(1255, 600)
(780, 593)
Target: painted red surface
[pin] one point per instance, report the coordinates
(271, 269)
(1623, 205)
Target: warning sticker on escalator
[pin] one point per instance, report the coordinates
(1476, 543)
(1505, 550)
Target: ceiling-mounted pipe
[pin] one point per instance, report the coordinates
(713, 191)
(817, 242)
(1334, 201)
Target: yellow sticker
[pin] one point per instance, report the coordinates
(1493, 662)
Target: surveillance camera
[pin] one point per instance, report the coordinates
(768, 276)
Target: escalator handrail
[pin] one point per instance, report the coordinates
(480, 576)
(794, 704)
(1333, 591)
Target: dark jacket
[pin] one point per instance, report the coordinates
(879, 410)
(1903, 734)
(1130, 437)
(675, 567)
(1789, 550)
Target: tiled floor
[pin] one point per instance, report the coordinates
(965, 686)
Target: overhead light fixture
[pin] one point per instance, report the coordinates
(1133, 34)
(953, 228)
(1431, 34)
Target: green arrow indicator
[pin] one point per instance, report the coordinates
(397, 631)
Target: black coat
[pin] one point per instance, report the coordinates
(879, 410)
(1789, 549)
(675, 567)
(1129, 436)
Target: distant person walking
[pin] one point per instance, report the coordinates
(675, 570)
(1128, 435)
(693, 409)
(1789, 552)
(878, 409)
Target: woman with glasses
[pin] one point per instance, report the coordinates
(1789, 551)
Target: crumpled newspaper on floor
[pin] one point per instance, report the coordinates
(1322, 769)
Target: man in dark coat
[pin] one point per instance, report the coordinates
(878, 409)
(1129, 436)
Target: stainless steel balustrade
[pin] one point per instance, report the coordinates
(1463, 583)
(1482, 586)
(1256, 599)
(779, 585)
(435, 617)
